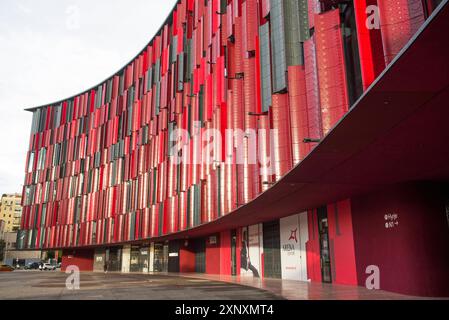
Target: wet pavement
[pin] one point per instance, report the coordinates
(51, 285)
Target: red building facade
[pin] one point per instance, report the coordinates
(101, 181)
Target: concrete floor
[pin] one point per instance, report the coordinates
(50, 285)
(300, 290)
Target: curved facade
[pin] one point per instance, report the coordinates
(223, 103)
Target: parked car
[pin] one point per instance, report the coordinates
(6, 268)
(47, 266)
(32, 266)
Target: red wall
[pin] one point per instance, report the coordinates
(313, 248)
(186, 258)
(342, 243)
(213, 256)
(83, 259)
(413, 257)
(225, 253)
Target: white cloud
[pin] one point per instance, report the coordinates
(42, 60)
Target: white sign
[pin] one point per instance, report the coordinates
(252, 251)
(173, 255)
(294, 236)
(391, 220)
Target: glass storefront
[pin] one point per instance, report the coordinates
(160, 257)
(114, 259)
(140, 259)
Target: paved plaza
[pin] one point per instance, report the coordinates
(51, 285)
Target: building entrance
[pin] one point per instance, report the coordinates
(323, 229)
(272, 250)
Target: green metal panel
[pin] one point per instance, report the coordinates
(293, 45)
(189, 205)
(98, 97)
(149, 84)
(41, 238)
(304, 28)
(133, 226)
(21, 237)
(265, 68)
(109, 91)
(161, 218)
(158, 97)
(157, 70)
(279, 63)
(121, 84)
(178, 179)
(181, 72)
(197, 205)
(223, 6)
(131, 93)
(33, 238)
(173, 49)
(154, 186)
(43, 215)
(189, 61)
(201, 105)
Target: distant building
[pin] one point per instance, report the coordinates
(12, 256)
(11, 211)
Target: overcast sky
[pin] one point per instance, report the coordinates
(50, 50)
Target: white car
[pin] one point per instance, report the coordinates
(47, 266)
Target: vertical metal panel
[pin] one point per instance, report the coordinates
(281, 137)
(265, 7)
(279, 63)
(313, 94)
(265, 66)
(249, 14)
(298, 112)
(331, 69)
(369, 44)
(296, 30)
(400, 20)
(314, 7)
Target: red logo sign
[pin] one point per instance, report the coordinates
(293, 236)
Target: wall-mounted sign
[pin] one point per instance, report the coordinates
(173, 255)
(294, 235)
(391, 220)
(213, 240)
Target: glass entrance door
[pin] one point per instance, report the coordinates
(200, 255)
(160, 257)
(326, 270)
(134, 260)
(272, 250)
(233, 252)
(114, 259)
